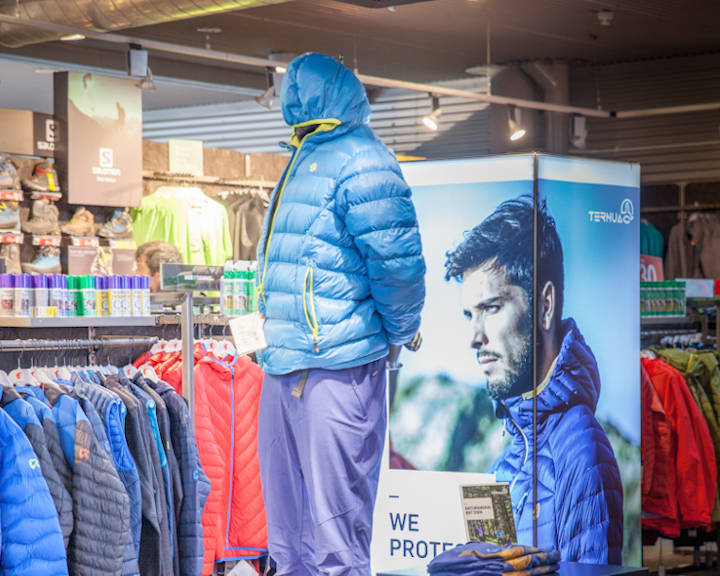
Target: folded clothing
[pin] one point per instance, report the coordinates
(484, 559)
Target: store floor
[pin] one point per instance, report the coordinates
(681, 561)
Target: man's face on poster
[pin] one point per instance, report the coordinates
(499, 315)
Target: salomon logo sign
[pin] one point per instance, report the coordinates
(625, 216)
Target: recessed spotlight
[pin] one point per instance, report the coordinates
(72, 37)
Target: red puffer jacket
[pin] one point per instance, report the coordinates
(658, 448)
(227, 396)
(695, 457)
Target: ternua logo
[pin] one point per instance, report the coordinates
(624, 216)
(33, 462)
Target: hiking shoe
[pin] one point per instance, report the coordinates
(81, 224)
(43, 219)
(47, 261)
(11, 253)
(120, 226)
(43, 179)
(8, 174)
(9, 216)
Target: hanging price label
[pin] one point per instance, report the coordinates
(11, 195)
(12, 238)
(85, 241)
(46, 196)
(46, 241)
(248, 333)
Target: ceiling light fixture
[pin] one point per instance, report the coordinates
(515, 124)
(72, 37)
(280, 69)
(208, 33)
(578, 131)
(432, 121)
(266, 98)
(147, 83)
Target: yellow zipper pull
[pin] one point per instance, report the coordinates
(315, 344)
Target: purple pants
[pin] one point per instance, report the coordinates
(319, 463)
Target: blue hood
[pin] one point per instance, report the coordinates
(574, 381)
(317, 86)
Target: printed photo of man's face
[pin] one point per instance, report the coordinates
(501, 328)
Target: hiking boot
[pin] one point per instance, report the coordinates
(43, 220)
(120, 226)
(8, 174)
(9, 216)
(43, 179)
(11, 253)
(47, 261)
(81, 224)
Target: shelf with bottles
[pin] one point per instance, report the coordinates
(57, 297)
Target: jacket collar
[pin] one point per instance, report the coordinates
(574, 381)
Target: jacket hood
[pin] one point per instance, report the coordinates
(318, 87)
(574, 381)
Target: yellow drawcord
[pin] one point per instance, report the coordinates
(312, 323)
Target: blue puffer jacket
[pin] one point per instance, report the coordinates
(580, 500)
(31, 542)
(341, 271)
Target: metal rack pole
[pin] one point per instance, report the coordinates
(54, 344)
(186, 330)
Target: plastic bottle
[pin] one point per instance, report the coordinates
(127, 295)
(22, 294)
(226, 296)
(7, 295)
(145, 284)
(240, 292)
(55, 295)
(136, 296)
(66, 298)
(89, 296)
(40, 295)
(252, 287)
(114, 293)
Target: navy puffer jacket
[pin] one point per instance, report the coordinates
(341, 271)
(580, 499)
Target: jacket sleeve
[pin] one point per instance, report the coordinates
(30, 536)
(589, 515)
(378, 212)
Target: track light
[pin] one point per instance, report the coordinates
(578, 131)
(147, 83)
(266, 98)
(515, 124)
(432, 121)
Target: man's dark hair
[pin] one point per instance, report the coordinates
(506, 239)
(157, 252)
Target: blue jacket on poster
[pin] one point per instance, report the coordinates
(340, 265)
(580, 498)
(31, 542)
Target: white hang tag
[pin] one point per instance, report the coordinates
(248, 333)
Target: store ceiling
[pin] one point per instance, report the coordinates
(424, 41)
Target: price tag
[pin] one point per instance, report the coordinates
(651, 268)
(85, 241)
(123, 244)
(12, 238)
(53, 196)
(11, 195)
(46, 241)
(248, 333)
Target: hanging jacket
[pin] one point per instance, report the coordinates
(580, 510)
(658, 449)
(340, 265)
(173, 485)
(195, 484)
(31, 543)
(130, 559)
(54, 446)
(101, 505)
(113, 413)
(695, 458)
(697, 368)
(24, 416)
(227, 396)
